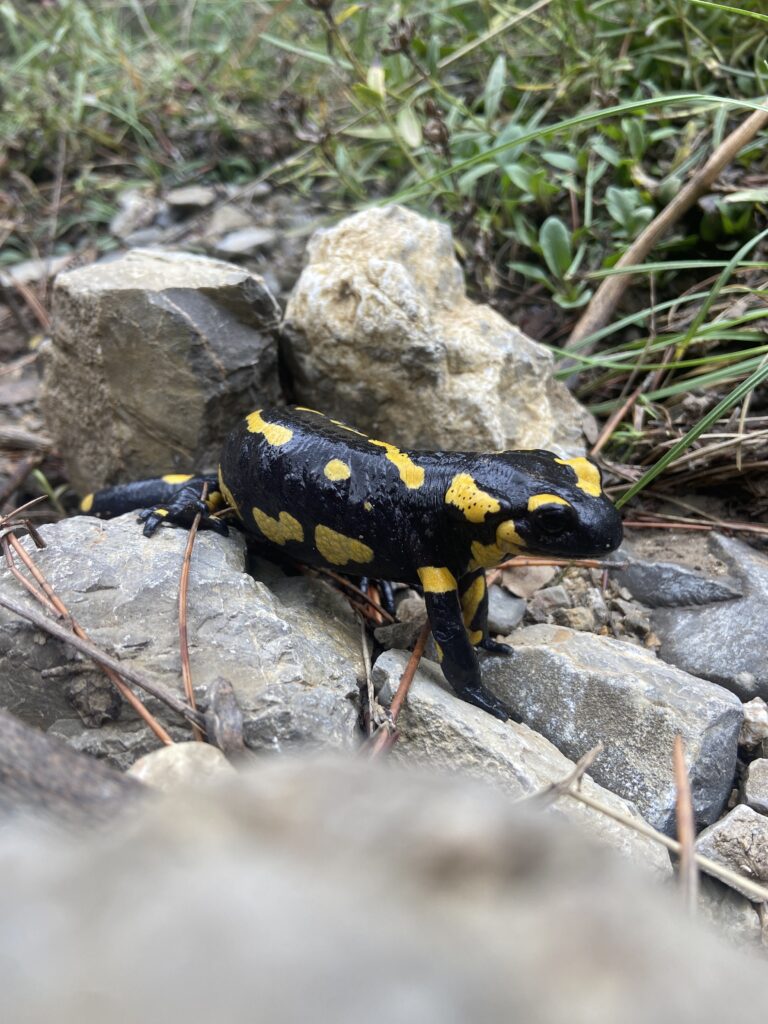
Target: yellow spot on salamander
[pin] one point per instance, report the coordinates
(338, 423)
(473, 502)
(162, 512)
(303, 408)
(411, 474)
(176, 478)
(508, 542)
(87, 503)
(587, 474)
(339, 549)
(436, 580)
(279, 530)
(337, 470)
(475, 636)
(273, 432)
(439, 650)
(368, 506)
(226, 493)
(537, 500)
(471, 600)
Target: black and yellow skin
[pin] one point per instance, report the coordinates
(328, 495)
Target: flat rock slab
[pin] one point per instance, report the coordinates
(740, 842)
(293, 663)
(436, 728)
(154, 358)
(380, 312)
(724, 642)
(578, 690)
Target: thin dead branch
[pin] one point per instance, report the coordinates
(604, 301)
(386, 735)
(564, 786)
(101, 658)
(758, 893)
(48, 598)
(186, 668)
(686, 828)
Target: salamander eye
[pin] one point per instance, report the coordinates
(553, 518)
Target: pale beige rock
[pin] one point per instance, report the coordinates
(182, 764)
(154, 358)
(740, 842)
(379, 324)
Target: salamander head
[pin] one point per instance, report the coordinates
(533, 502)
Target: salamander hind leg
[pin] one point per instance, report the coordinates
(455, 651)
(168, 499)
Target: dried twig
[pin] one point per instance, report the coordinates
(385, 737)
(348, 585)
(101, 658)
(563, 787)
(686, 829)
(368, 677)
(186, 668)
(50, 600)
(758, 892)
(605, 299)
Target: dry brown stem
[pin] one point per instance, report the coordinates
(604, 301)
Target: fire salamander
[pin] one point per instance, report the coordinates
(331, 496)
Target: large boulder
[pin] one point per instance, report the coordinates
(154, 358)
(379, 332)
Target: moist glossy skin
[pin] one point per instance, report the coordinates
(326, 494)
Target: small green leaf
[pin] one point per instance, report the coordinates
(376, 80)
(562, 161)
(555, 242)
(409, 127)
(467, 180)
(494, 87)
(531, 271)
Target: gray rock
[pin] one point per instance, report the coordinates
(730, 914)
(225, 218)
(401, 897)
(292, 654)
(154, 358)
(244, 241)
(439, 730)
(754, 729)
(724, 642)
(579, 689)
(669, 584)
(191, 197)
(183, 764)
(380, 311)
(505, 611)
(755, 785)
(137, 210)
(740, 842)
(545, 602)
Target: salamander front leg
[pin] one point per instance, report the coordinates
(457, 657)
(473, 593)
